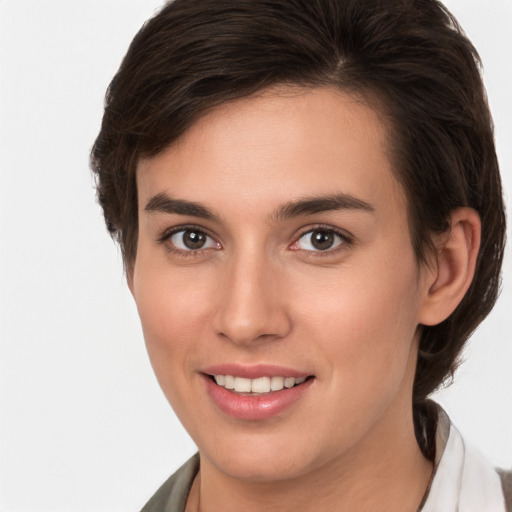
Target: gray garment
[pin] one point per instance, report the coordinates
(173, 494)
(506, 483)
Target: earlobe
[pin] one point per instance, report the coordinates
(453, 268)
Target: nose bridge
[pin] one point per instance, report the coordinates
(250, 305)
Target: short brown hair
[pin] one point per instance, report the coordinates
(410, 55)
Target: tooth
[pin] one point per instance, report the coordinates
(289, 382)
(260, 385)
(229, 382)
(242, 385)
(276, 383)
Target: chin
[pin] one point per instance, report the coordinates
(260, 459)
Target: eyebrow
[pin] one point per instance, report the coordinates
(163, 203)
(318, 204)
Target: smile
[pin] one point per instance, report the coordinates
(255, 393)
(258, 386)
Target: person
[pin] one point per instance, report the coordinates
(308, 202)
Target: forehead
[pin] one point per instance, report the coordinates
(274, 147)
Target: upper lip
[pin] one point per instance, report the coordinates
(253, 371)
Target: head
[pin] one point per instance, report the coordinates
(406, 60)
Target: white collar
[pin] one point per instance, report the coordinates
(464, 481)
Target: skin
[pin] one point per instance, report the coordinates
(259, 292)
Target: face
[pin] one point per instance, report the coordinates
(274, 257)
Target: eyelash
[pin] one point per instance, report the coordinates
(169, 233)
(345, 240)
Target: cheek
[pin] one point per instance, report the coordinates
(364, 319)
(174, 308)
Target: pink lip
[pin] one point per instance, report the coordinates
(254, 407)
(253, 371)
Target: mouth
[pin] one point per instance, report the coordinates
(258, 392)
(258, 386)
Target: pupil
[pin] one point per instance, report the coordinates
(322, 240)
(194, 239)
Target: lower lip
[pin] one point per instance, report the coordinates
(255, 407)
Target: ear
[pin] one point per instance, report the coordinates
(452, 268)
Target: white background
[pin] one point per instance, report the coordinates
(83, 424)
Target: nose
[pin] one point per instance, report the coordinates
(252, 302)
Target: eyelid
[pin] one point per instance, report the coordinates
(346, 240)
(168, 233)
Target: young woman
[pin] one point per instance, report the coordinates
(308, 202)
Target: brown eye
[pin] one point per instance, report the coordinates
(192, 240)
(322, 240)
(319, 240)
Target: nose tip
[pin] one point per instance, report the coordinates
(250, 309)
(242, 332)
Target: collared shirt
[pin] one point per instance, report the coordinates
(462, 480)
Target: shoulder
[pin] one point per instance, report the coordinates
(173, 493)
(506, 483)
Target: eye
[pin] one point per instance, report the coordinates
(192, 239)
(320, 239)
